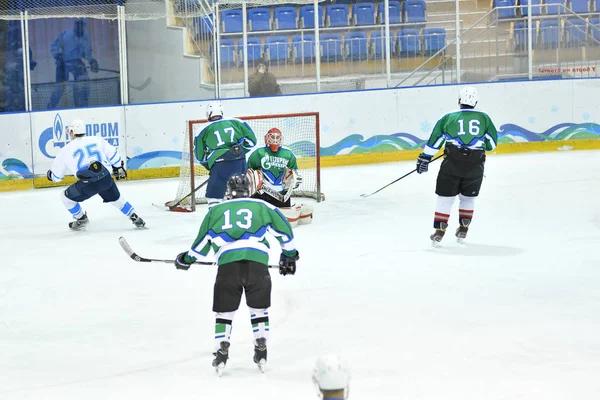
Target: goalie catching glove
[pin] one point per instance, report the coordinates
(120, 172)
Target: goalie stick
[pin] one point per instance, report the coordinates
(135, 257)
(175, 207)
(391, 183)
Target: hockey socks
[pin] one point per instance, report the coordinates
(260, 323)
(72, 206)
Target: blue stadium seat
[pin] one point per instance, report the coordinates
(409, 42)
(259, 19)
(550, 34)
(505, 12)
(580, 6)
(203, 27)
(227, 52)
(520, 36)
(576, 32)
(331, 47)
(303, 48)
(254, 49)
(232, 20)
(395, 12)
(277, 49)
(553, 7)
(534, 10)
(414, 11)
(377, 43)
(336, 14)
(307, 17)
(434, 40)
(356, 45)
(596, 5)
(286, 18)
(363, 14)
(595, 31)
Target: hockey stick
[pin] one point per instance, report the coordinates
(143, 86)
(391, 183)
(125, 246)
(175, 207)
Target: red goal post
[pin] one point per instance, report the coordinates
(301, 134)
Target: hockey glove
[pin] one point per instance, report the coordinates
(287, 264)
(180, 262)
(120, 172)
(298, 181)
(423, 163)
(94, 67)
(49, 175)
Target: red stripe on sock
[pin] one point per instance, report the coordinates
(465, 213)
(439, 217)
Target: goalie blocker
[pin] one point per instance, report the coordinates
(297, 214)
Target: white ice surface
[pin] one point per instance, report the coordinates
(514, 314)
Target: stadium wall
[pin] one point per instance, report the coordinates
(356, 127)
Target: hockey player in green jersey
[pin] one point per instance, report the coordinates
(273, 170)
(221, 147)
(236, 231)
(467, 135)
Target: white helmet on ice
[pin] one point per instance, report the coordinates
(214, 109)
(330, 373)
(76, 127)
(468, 97)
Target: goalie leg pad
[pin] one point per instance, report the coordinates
(306, 214)
(292, 214)
(256, 180)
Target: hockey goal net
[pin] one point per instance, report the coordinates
(300, 134)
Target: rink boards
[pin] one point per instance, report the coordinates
(363, 127)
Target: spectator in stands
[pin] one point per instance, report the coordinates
(13, 91)
(262, 82)
(71, 50)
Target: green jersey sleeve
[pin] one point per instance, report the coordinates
(219, 137)
(465, 128)
(236, 230)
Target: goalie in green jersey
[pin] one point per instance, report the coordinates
(467, 135)
(236, 231)
(221, 147)
(273, 172)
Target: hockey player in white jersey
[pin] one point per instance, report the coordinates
(87, 158)
(332, 378)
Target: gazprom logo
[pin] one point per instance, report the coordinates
(59, 132)
(54, 138)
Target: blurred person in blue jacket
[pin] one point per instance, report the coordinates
(71, 50)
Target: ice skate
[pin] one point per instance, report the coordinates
(437, 236)
(137, 220)
(79, 222)
(260, 353)
(221, 357)
(461, 232)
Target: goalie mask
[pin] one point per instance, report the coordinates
(238, 186)
(274, 139)
(214, 109)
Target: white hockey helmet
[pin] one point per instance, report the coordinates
(76, 127)
(331, 373)
(214, 109)
(468, 97)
